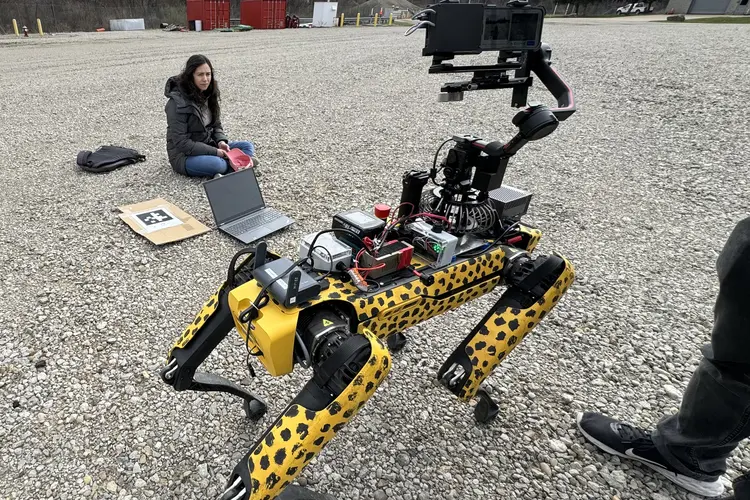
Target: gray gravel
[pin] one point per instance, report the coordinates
(640, 189)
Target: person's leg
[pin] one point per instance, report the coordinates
(715, 412)
(205, 166)
(246, 147)
(691, 448)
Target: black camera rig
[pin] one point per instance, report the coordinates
(473, 169)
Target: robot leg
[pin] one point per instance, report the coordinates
(347, 369)
(535, 286)
(211, 325)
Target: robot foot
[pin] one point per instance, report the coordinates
(535, 288)
(396, 341)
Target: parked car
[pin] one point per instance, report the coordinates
(634, 8)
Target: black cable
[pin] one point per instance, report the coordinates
(434, 162)
(231, 270)
(330, 270)
(368, 280)
(495, 242)
(339, 229)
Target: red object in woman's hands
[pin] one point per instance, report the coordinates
(238, 159)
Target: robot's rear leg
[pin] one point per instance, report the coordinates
(535, 288)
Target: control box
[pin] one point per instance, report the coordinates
(327, 247)
(438, 245)
(510, 202)
(361, 223)
(293, 288)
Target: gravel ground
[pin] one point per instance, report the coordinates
(640, 189)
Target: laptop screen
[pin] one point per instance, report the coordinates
(233, 195)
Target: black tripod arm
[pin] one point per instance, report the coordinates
(539, 64)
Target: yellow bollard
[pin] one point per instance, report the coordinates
(357, 20)
(342, 19)
(39, 25)
(15, 27)
(376, 19)
(390, 19)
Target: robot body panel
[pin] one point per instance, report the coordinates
(531, 236)
(420, 309)
(272, 332)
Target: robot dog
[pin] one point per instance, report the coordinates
(342, 307)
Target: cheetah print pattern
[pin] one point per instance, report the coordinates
(299, 434)
(533, 234)
(417, 311)
(395, 309)
(505, 329)
(209, 307)
(392, 310)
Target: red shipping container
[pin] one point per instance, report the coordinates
(211, 13)
(263, 14)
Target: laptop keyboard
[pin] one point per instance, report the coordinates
(253, 221)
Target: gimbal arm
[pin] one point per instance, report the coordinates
(539, 63)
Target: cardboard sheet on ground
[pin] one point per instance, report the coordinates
(160, 221)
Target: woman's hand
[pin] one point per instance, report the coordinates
(223, 146)
(221, 153)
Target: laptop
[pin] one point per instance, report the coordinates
(239, 209)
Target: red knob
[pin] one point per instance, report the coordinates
(382, 210)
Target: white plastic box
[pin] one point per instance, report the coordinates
(126, 24)
(325, 14)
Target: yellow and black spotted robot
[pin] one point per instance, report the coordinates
(341, 308)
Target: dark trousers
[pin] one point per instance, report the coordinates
(715, 412)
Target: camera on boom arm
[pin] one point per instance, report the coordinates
(473, 168)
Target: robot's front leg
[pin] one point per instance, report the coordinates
(535, 286)
(347, 369)
(198, 340)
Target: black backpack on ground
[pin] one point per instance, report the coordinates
(108, 158)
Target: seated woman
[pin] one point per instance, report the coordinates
(196, 143)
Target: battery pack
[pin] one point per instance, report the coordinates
(391, 257)
(359, 222)
(293, 288)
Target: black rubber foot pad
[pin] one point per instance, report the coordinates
(293, 492)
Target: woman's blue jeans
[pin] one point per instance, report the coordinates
(208, 166)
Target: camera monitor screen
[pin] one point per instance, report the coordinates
(506, 29)
(462, 28)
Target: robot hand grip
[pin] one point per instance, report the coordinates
(540, 65)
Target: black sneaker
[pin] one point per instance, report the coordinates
(627, 441)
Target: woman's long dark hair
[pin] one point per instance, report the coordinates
(211, 95)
